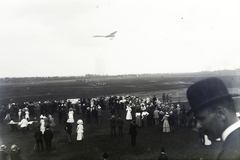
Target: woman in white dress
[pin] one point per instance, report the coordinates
(70, 115)
(19, 114)
(27, 114)
(42, 124)
(79, 130)
(166, 126)
(129, 113)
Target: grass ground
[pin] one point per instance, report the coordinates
(183, 143)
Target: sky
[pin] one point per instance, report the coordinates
(56, 37)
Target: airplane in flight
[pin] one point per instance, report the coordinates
(107, 36)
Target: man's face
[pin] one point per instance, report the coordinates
(209, 122)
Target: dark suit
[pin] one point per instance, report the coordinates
(133, 133)
(38, 137)
(231, 147)
(48, 136)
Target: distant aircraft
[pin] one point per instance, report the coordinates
(107, 36)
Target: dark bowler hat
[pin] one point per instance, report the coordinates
(207, 91)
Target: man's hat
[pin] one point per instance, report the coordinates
(3, 147)
(14, 147)
(207, 91)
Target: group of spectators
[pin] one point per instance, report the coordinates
(38, 115)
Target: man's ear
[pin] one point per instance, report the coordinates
(222, 113)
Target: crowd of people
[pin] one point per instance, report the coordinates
(38, 115)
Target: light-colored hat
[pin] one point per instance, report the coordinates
(70, 109)
(3, 147)
(14, 147)
(41, 116)
(79, 121)
(99, 107)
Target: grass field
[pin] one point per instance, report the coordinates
(183, 143)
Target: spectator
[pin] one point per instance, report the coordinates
(48, 136)
(68, 129)
(70, 115)
(3, 154)
(15, 153)
(133, 132)
(214, 109)
(162, 156)
(52, 122)
(39, 138)
(80, 130)
(99, 113)
(60, 116)
(120, 125)
(113, 125)
(166, 126)
(23, 125)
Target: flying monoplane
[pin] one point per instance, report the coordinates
(107, 36)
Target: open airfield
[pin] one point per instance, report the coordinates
(183, 143)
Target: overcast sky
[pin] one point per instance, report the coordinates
(55, 37)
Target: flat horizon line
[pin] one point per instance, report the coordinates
(130, 74)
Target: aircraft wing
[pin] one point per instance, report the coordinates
(112, 34)
(99, 36)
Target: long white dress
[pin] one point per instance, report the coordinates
(166, 126)
(42, 126)
(80, 132)
(27, 115)
(129, 113)
(70, 117)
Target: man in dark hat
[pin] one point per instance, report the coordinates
(48, 136)
(39, 138)
(3, 153)
(214, 110)
(133, 132)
